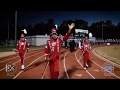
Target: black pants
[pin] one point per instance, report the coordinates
(72, 46)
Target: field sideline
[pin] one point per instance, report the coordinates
(10, 48)
(111, 52)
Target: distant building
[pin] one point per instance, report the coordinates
(37, 40)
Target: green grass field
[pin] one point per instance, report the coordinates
(10, 48)
(110, 52)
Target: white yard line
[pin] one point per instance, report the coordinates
(20, 60)
(28, 66)
(102, 67)
(104, 59)
(65, 66)
(82, 66)
(45, 70)
(13, 58)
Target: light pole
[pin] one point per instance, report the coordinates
(102, 30)
(8, 33)
(15, 27)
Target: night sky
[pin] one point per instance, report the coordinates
(33, 17)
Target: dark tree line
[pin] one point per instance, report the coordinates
(108, 29)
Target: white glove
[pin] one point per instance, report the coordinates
(71, 26)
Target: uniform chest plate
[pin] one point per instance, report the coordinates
(85, 46)
(53, 44)
(22, 43)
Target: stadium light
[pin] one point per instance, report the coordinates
(90, 34)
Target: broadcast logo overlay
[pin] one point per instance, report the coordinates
(11, 69)
(108, 69)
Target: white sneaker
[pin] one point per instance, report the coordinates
(85, 68)
(86, 65)
(22, 67)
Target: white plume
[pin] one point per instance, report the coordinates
(24, 30)
(90, 35)
(56, 26)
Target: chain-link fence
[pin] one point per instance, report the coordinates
(7, 43)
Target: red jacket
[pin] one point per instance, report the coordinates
(86, 47)
(22, 45)
(53, 47)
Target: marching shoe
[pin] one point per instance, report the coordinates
(85, 68)
(86, 65)
(22, 67)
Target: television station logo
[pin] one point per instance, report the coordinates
(10, 69)
(108, 69)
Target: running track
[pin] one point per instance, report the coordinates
(71, 66)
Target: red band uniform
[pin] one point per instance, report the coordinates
(22, 47)
(86, 47)
(52, 50)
